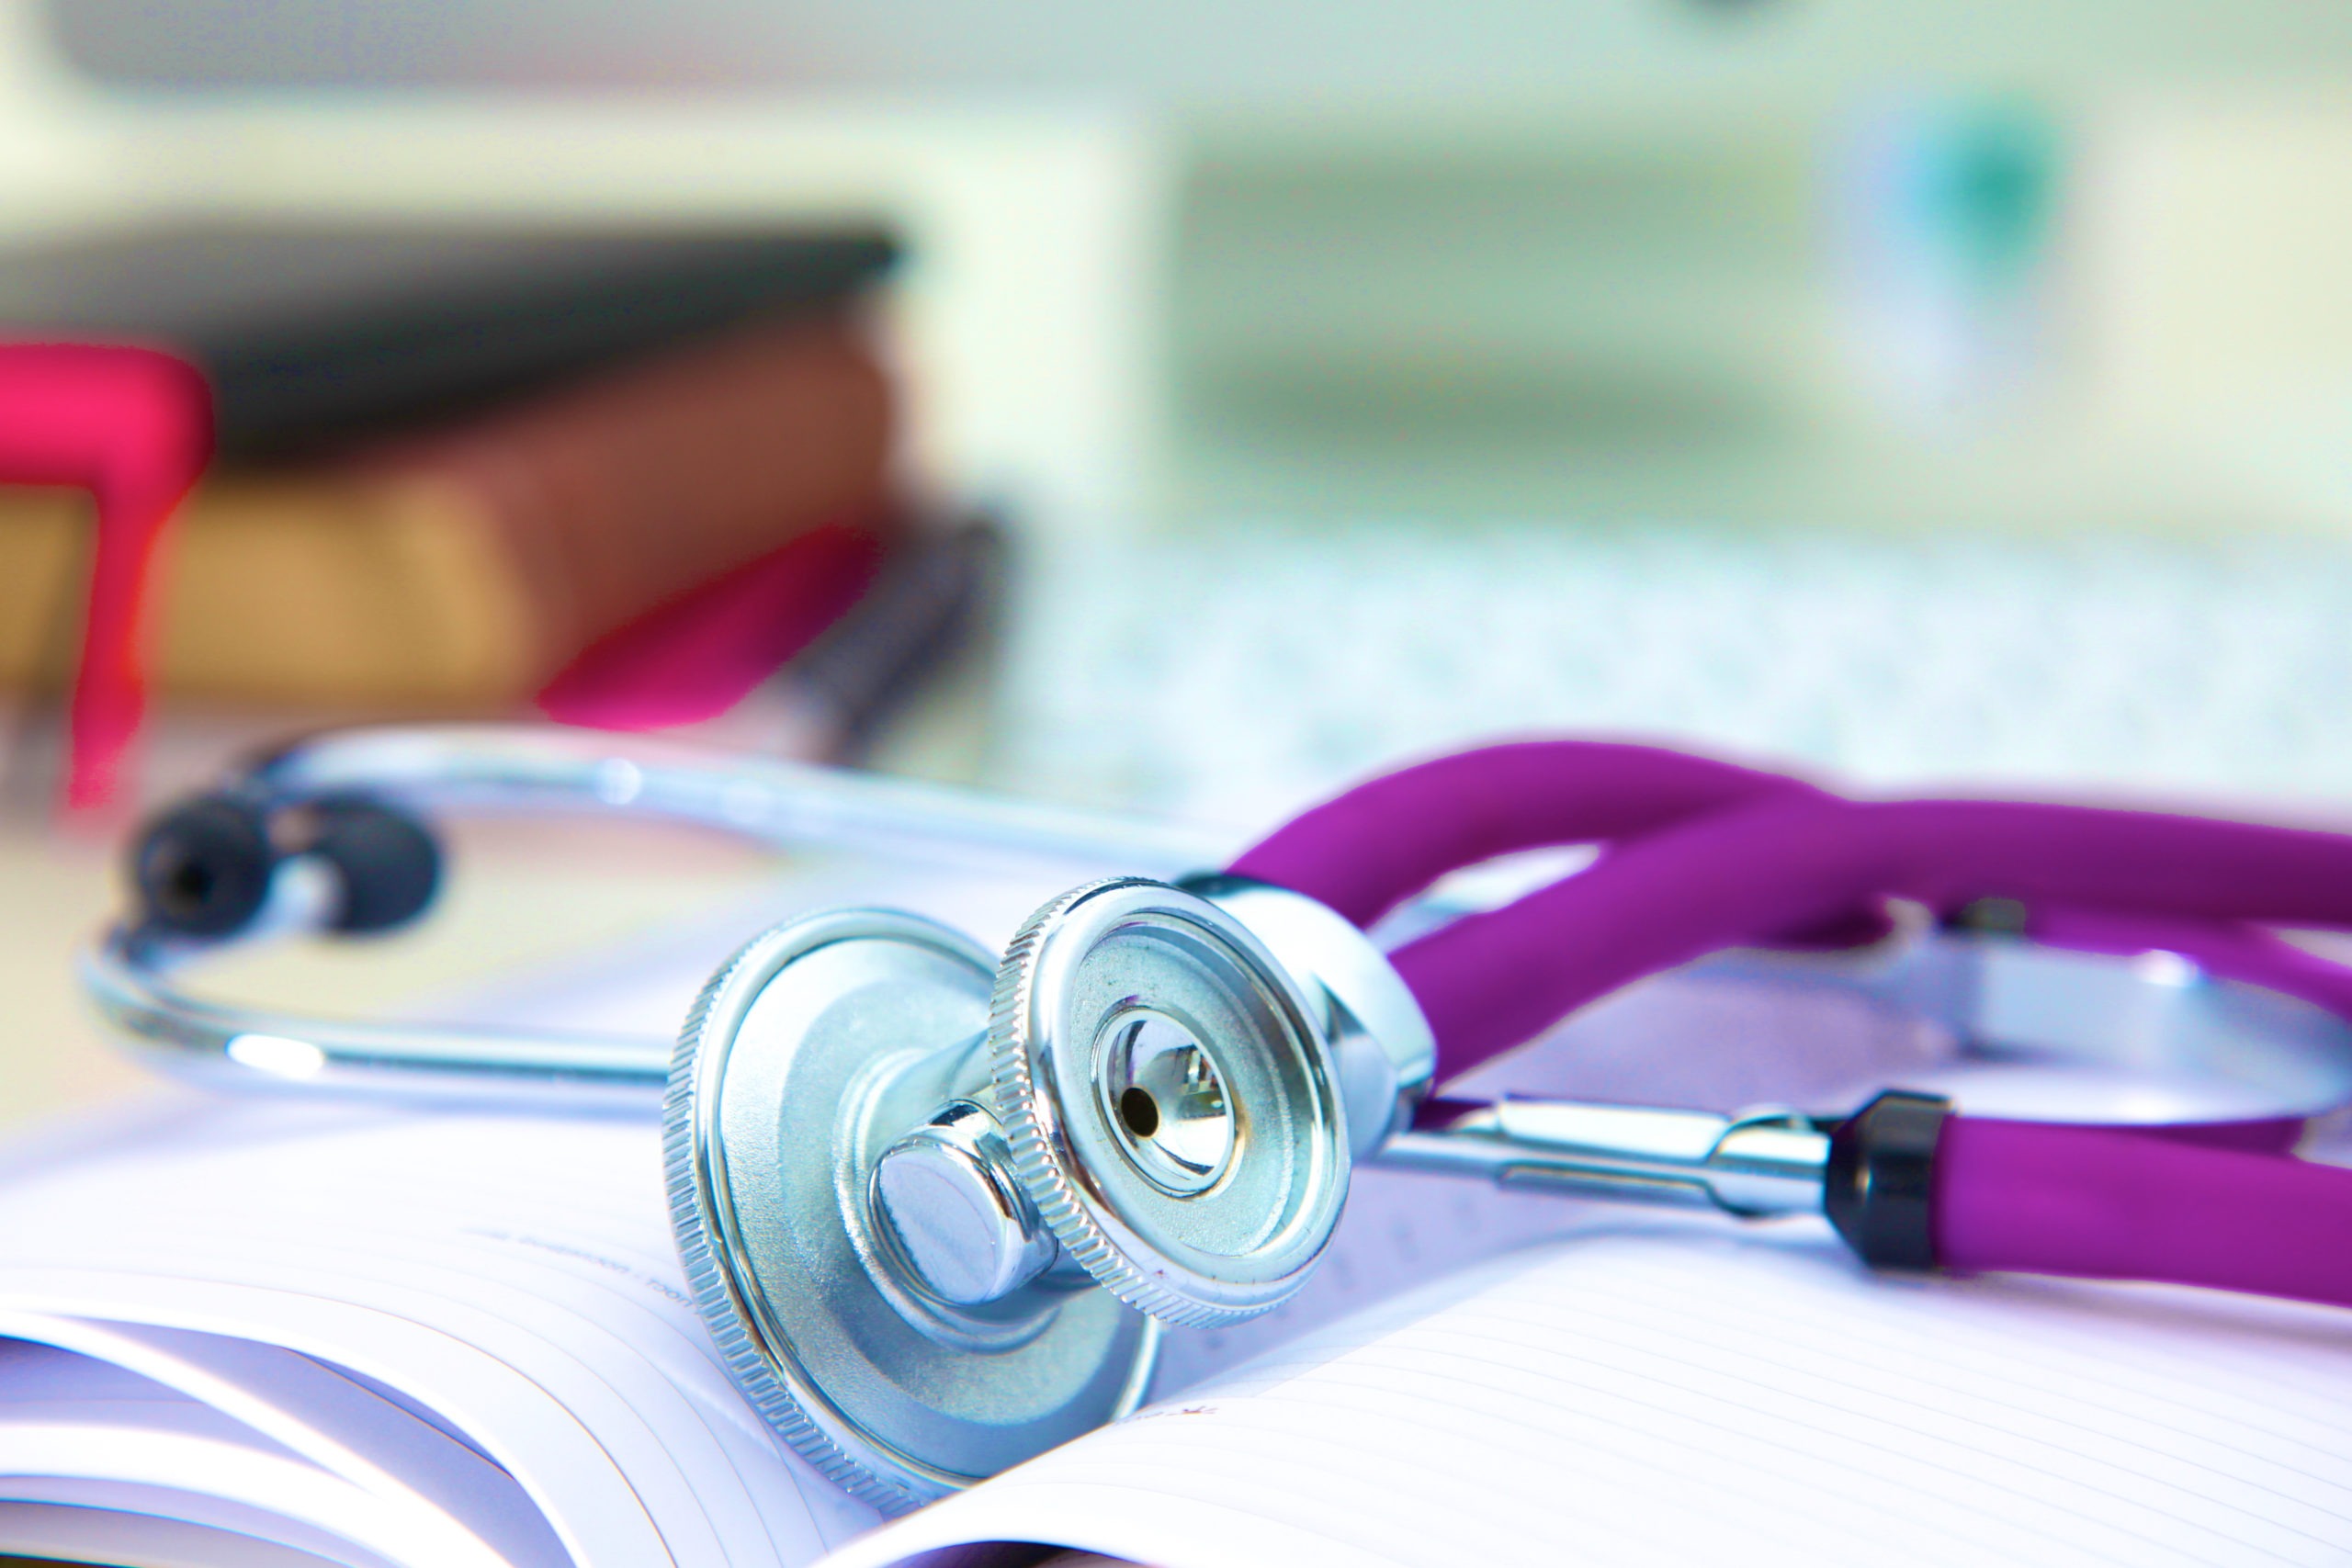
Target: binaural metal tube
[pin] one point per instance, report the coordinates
(126, 977)
(514, 767)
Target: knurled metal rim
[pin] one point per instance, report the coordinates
(1032, 1130)
(699, 1226)
(1030, 1135)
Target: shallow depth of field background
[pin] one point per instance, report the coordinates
(1911, 392)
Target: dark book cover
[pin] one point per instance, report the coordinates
(312, 332)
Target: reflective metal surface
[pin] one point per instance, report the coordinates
(1766, 1163)
(1165, 1101)
(520, 768)
(1215, 1202)
(948, 1194)
(815, 1050)
(127, 978)
(1381, 1045)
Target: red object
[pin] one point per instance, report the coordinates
(700, 653)
(134, 428)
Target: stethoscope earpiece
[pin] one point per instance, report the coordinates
(209, 867)
(387, 865)
(202, 868)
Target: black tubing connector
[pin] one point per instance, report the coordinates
(202, 868)
(1880, 1187)
(388, 863)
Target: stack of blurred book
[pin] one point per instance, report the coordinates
(461, 468)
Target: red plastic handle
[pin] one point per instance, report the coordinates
(133, 426)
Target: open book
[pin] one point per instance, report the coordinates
(277, 1332)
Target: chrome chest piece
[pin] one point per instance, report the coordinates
(898, 1171)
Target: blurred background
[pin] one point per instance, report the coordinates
(1184, 408)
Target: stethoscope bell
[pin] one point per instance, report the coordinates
(898, 1170)
(1172, 1105)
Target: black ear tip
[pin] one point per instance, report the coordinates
(389, 864)
(202, 867)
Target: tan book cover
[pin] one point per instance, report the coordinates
(459, 569)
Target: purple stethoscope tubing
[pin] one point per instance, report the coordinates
(1700, 855)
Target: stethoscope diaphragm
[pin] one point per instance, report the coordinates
(811, 1053)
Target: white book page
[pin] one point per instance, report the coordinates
(1684, 1395)
(513, 1275)
(79, 1532)
(513, 1278)
(104, 1507)
(74, 1429)
(281, 1401)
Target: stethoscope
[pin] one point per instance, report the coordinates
(934, 1202)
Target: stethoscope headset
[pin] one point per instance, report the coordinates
(934, 1202)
